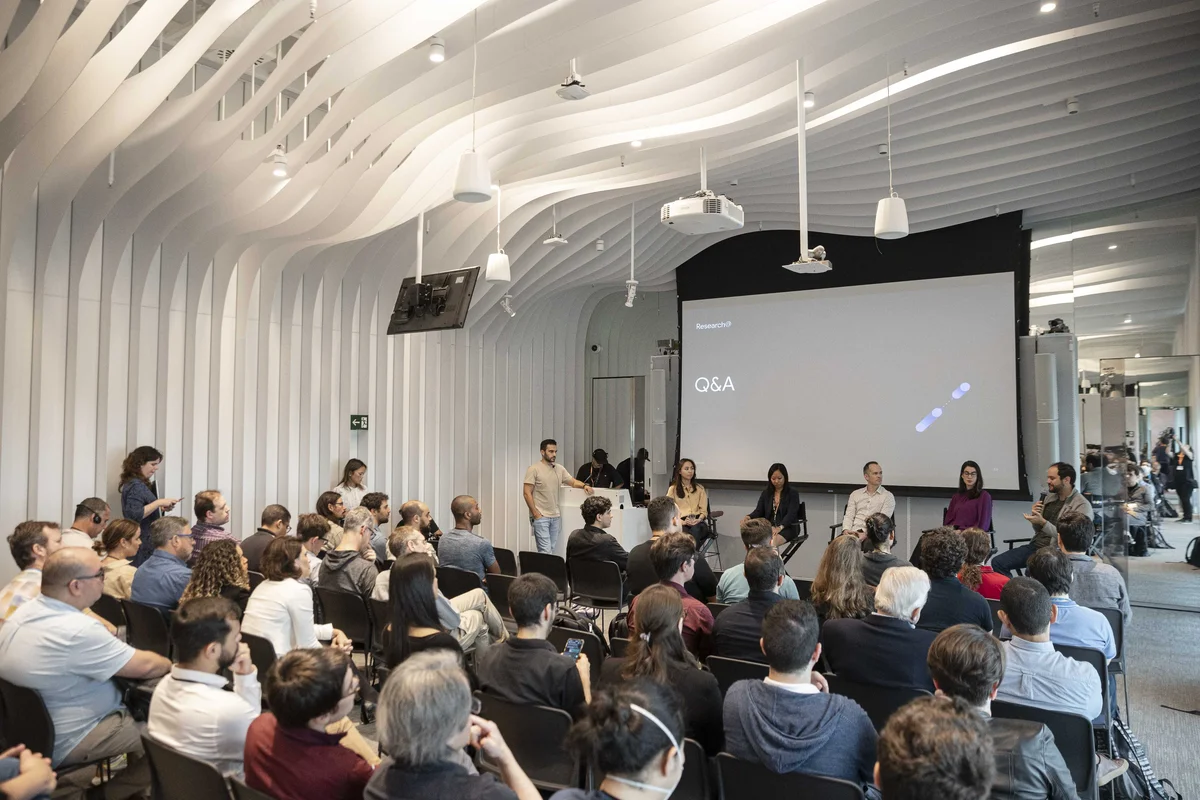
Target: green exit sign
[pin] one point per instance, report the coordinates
(358, 422)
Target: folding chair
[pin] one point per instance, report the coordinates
(997, 625)
(25, 720)
(1072, 735)
(620, 647)
(146, 628)
(243, 792)
(729, 671)
(801, 537)
(1099, 663)
(453, 581)
(348, 612)
(255, 579)
(711, 547)
(596, 584)
(552, 566)
(880, 702)
(535, 734)
(803, 588)
(744, 780)
(175, 776)
(593, 648)
(507, 560)
(262, 654)
(109, 609)
(497, 590)
(716, 608)
(1116, 621)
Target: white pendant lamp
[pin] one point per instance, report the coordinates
(499, 270)
(473, 180)
(891, 216)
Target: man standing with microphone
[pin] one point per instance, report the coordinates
(541, 484)
(1061, 498)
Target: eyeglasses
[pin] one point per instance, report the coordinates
(99, 574)
(476, 705)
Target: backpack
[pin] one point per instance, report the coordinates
(1192, 553)
(1139, 783)
(618, 627)
(566, 618)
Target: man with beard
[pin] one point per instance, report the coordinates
(462, 547)
(190, 710)
(541, 485)
(415, 514)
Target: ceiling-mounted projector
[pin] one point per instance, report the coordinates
(554, 241)
(703, 212)
(814, 263)
(572, 88)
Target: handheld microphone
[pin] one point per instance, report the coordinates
(1042, 498)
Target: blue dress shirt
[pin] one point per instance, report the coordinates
(160, 581)
(1035, 674)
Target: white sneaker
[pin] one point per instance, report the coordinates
(1109, 769)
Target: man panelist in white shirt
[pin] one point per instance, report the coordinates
(871, 499)
(190, 710)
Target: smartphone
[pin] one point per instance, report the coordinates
(574, 648)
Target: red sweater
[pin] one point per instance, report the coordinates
(992, 583)
(302, 764)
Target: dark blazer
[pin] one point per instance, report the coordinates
(1028, 763)
(878, 650)
(788, 514)
(950, 603)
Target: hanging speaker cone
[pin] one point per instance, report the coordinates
(473, 181)
(891, 218)
(498, 268)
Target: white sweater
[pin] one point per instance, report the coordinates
(282, 612)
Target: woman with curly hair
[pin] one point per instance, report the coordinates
(949, 603)
(220, 572)
(975, 575)
(839, 590)
(139, 495)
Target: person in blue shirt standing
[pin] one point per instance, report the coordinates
(161, 580)
(139, 496)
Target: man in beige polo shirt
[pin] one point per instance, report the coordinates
(542, 481)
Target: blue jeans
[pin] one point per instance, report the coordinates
(545, 532)
(1007, 561)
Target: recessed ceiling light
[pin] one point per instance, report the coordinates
(810, 99)
(1128, 319)
(437, 50)
(1112, 247)
(1137, 355)
(636, 143)
(1048, 7)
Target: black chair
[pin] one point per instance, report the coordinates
(25, 720)
(791, 547)
(507, 560)
(348, 612)
(535, 734)
(1099, 663)
(243, 792)
(1117, 666)
(381, 615)
(497, 590)
(552, 566)
(255, 579)
(262, 654)
(728, 671)
(716, 608)
(453, 581)
(108, 608)
(711, 547)
(994, 605)
(146, 628)
(833, 529)
(175, 776)
(620, 647)
(596, 584)
(744, 780)
(880, 702)
(803, 588)
(593, 648)
(1072, 735)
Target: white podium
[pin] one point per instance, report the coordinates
(630, 526)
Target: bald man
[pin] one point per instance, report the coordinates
(51, 646)
(462, 547)
(415, 514)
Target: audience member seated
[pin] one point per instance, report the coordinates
(425, 720)
(290, 753)
(975, 574)
(280, 609)
(118, 545)
(345, 568)
(25, 775)
(1063, 499)
(31, 544)
(1035, 674)
(886, 648)
(934, 747)
(331, 506)
(592, 542)
(275, 521)
(673, 556)
(658, 653)
(160, 581)
(632, 738)
(1074, 625)
(692, 499)
(212, 515)
(733, 587)
(738, 630)
(220, 572)
(942, 554)
(1096, 584)
(971, 506)
(190, 710)
(839, 590)
(415, 514)
(462, 547)
(789, 722)
(968, 663)
(91, 518)
(527, 669)
(663, 516)
(470, 617)
(312, 531)
(381, 513)
(779, 505)
(415, 624)
(881, 538)
(70, 660)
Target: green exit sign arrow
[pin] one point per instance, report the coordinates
(358, 422)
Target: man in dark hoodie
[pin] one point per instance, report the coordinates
(346, 569)
(789, 722)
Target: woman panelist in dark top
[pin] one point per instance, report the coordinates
(779, 504)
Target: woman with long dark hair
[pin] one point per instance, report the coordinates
(692, 499)
(657, 652)
(877, 548)
(352, 487)
(779, 504)
(139, 494)
(839, 590)
(331, 506)
(971, 506)
(119, 543)
(412, 593)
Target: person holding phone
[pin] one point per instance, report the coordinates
(139, 495)
(528, 670)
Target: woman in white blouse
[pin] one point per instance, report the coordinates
(353, 485)
(281, 608)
